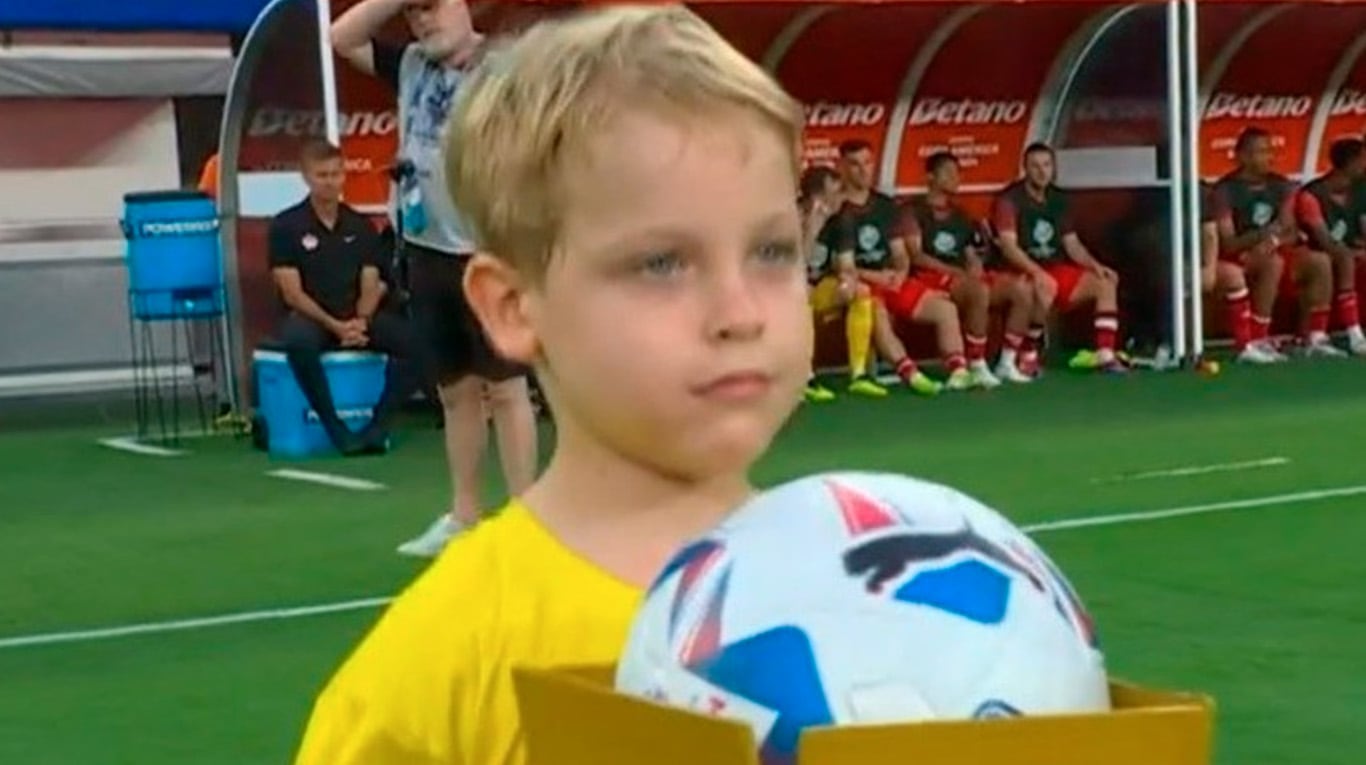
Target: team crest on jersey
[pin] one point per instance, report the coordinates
(1261, 214)
(1338, 231)
(1043, 237)
(309, 242)
(945, 243)
(869, 237)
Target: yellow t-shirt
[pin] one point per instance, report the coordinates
(432, 681)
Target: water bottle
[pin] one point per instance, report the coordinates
(414, 212)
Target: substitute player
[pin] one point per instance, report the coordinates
(945, 249)
(1228, 278)
(867, 249)
(833, 299)
(1330, 221)
(1255, 210)
(630, 179)
(1033, 223)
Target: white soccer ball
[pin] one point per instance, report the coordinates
(848, 598)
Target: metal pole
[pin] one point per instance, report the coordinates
(1194, 238)
(331, 112)
(1176, 233)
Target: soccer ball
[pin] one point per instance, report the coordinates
(847, 598)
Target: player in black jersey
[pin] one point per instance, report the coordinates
(832, 298)
(868, 249)
(945, 246)
(1330, 221)
(1255, 211)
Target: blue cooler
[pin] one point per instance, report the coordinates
(175, 264)
(292, 427)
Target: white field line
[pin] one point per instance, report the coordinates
(1213, 507)
(1189, 470)
(180, 625)
(327, 479)
(133, 446)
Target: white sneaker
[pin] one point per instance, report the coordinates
(434, 539)
(1357, 346)
(1260, 353)
(1324, 348)
(982, 376)
(1011, 373)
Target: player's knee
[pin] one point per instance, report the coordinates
(975, 292)
(1320, 265)
(1230, 278)
(861, 290)
(940, 309)
(1107, 291)
(457, 394)
(507, 393)
(1045, 292)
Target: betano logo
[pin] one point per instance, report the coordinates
(967, 111)
(1349, 103)
(1234, 106)
(270, 121)
(827, 114)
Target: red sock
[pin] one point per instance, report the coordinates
(1107, 330)
(1239, 310)
(1346, 305)
(1035, 338)
(906, 369)
(1261, 327)
(955, 361)
(976, 347)
(1013, 341)
(1316, 323)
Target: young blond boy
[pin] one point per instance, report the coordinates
(632, 177)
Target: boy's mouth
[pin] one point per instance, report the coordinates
(737, 387)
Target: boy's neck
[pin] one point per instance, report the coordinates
(624, 516)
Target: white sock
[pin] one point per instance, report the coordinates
(1355, 334)
(1009, 357)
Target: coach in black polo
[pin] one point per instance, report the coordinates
(325, 259)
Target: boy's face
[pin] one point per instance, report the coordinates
(672, 322)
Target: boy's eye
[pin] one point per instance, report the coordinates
(778, 252)
(660, 264)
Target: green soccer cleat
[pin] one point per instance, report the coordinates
(864, 385)
(816, 393)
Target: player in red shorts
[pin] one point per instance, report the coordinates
(1255, 211)
(1033, 223)
(945, 249)
(867, 249)
(1330, 220)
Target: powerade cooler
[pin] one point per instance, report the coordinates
(175, 265)
(292, 427)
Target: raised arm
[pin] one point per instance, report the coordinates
(354, 31)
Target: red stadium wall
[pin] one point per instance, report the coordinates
(913, 78)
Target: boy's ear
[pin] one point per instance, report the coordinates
(497, 294)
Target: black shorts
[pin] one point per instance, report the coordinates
(457, 341)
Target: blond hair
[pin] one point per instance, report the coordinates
(546, 94)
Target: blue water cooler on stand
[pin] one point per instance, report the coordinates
(176, 302)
